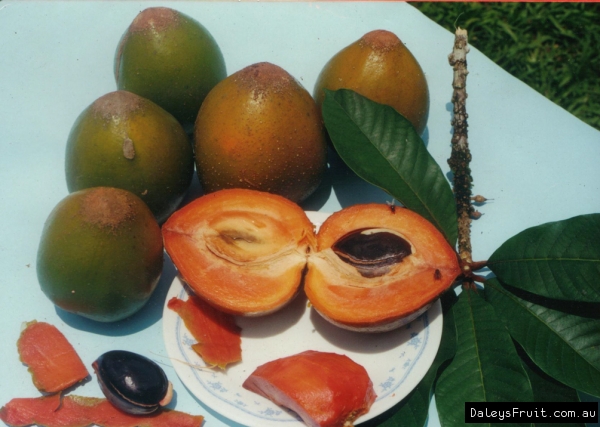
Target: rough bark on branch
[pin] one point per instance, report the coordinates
(460, 157)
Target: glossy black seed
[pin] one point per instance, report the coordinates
(373, 252)
(131, 382)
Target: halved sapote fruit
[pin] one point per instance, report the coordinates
(370, 268)
(243, 251)
(377, 268)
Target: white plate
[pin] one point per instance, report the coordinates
(396, 361)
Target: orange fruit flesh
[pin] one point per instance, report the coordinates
(241, 250)
(341, 294)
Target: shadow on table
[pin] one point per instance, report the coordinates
(349, 188)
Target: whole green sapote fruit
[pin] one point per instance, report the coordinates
(260, 129)
(125, 141)
(380, 67)
(100, 254)
(171, 59)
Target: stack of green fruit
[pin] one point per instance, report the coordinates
(100, 256)
(129, 164)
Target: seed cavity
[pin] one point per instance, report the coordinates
(373, 252)
(233, 237)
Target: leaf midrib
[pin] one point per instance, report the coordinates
(431, 215)
(521, 260)
(473, 324)
(541, 321)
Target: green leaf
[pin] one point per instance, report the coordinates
(413, 410)
(558, 260)
(564, 345)
(547, 389)
(486, 367)
(383, 148)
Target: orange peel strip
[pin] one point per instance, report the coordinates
(77, 411)
(52, 361)
(218, 336)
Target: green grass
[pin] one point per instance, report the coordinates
(552, 47)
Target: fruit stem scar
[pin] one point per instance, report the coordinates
(468, 269)
(128, 149)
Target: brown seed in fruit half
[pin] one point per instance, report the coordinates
(377, 269)
(260, 129)
(243, 251)
(380, 67)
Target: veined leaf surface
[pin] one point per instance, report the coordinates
(563, 345)
(547, 389)
(558, 260)
(486, 367)
(383, 148)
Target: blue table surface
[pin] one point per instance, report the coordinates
(535, 160)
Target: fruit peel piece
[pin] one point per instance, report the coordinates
(346, 298)
(78, 411)
(244, 251)
(219, 341)
(324, 389)
(52, 361)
